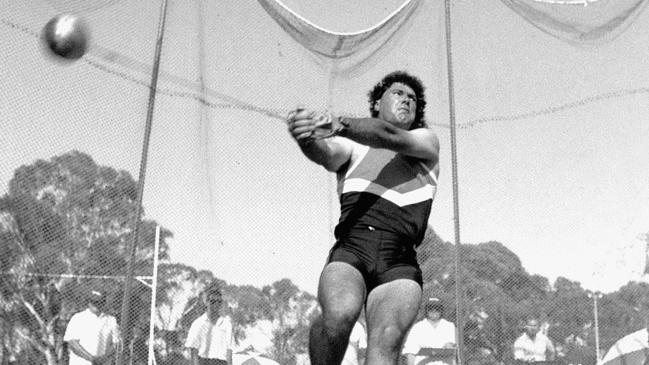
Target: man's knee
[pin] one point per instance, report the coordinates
(339, 321)
(388, 338)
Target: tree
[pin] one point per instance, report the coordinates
(60, 220)
(622, 312)
(283, 305)
(497, 292)
(177, 285)
(178, 304)
(291, 311)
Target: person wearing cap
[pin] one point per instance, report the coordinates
(92, 334)
(210, 338)
(533, 346)
(432, 331)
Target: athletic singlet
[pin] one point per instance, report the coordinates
(385, 190)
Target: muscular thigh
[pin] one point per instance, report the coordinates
(341, 290)
(392, 308)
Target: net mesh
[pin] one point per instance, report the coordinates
(551, 112)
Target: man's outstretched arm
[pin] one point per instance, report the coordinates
(331, 153)
(419, 142)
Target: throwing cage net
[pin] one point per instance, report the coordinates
(549, 108)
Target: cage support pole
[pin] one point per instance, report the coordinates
(130, 264)
(459, 293)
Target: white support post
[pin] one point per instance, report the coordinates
(154, 291)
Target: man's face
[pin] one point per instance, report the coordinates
(433, 314)
(398, 105)
(213, 301)
(98, 306)
(532, 328)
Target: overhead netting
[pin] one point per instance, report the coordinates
(553, 181)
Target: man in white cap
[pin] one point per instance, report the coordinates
(433, 332)
(92, 334)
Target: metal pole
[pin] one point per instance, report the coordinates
(124, 325)
(154, 293)
(595, 315)
(456, 207)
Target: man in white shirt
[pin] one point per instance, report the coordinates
(431, 332)
(210, 337)
(532, 345)
(92, 335)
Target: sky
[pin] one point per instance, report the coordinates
(566, 190)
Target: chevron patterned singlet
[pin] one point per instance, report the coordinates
(386, 190)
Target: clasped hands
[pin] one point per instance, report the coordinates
(307, 125)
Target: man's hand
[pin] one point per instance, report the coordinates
(326, 125)
(308, 128)
(301, 124)
(107, 358)
(307, 125)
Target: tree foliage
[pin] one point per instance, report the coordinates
(68, 217)
(498, 294)
(291, 310)
(63, 219)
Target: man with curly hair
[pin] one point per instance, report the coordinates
(387, 168)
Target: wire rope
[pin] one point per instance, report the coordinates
(567, 2)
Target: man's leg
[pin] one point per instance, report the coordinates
(341, 292)
(391, 309)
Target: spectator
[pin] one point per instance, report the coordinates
(92, 335)
(431, 332)
(532, 345)
(210, 336)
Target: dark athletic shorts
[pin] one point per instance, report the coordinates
(380, 256)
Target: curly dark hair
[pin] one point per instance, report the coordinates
(405, 78)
